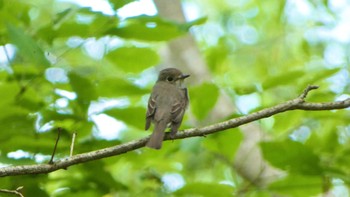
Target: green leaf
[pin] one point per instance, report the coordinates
(287, 121)
(76, 178)
(30, 98)
(327, 139)
(116, 4)
(298, 185)
(133, 59)
(15, 121)
(245, 89)
(224, 144)
(292, 156)
(104, 180)
(10, 91)
(84, 88)
(116, 87)
(91, 24)
(73, 29)
(52, 115)
(14, 12)
(148, 28)
(323, 96)
(16, 108)
(318, 75)
(198, 21)
(135, 116)
(27, 47)
(60, 17)
(205, 189)
(283, 79)
(25, 71)
(203, 99)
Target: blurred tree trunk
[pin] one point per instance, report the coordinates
(184, 54)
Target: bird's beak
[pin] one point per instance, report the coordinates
(183, 76)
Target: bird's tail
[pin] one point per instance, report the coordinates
(157, 136)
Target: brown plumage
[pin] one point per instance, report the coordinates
(166, 105)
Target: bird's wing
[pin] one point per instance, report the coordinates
(151, 108)
(179, 106)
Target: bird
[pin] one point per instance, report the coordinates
(166, 105)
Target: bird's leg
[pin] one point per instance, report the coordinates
(174, 127)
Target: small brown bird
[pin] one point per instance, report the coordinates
(166, 105)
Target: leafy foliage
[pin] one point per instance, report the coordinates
(63, 65)
(292, 156)
(203, 104)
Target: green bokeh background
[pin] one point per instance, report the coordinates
(265, 50)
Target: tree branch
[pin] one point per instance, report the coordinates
(15, 192)
(298, 103)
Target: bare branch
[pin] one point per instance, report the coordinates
(296, 104)
(15, 192)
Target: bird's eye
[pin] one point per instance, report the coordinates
(170, 79)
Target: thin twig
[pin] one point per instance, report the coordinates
(294, 104)
(72, 144)
(16, 192)
(307, 90)
(54, 149)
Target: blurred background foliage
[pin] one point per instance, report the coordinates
(90, 71)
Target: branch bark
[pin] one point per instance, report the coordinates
(298, 103)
